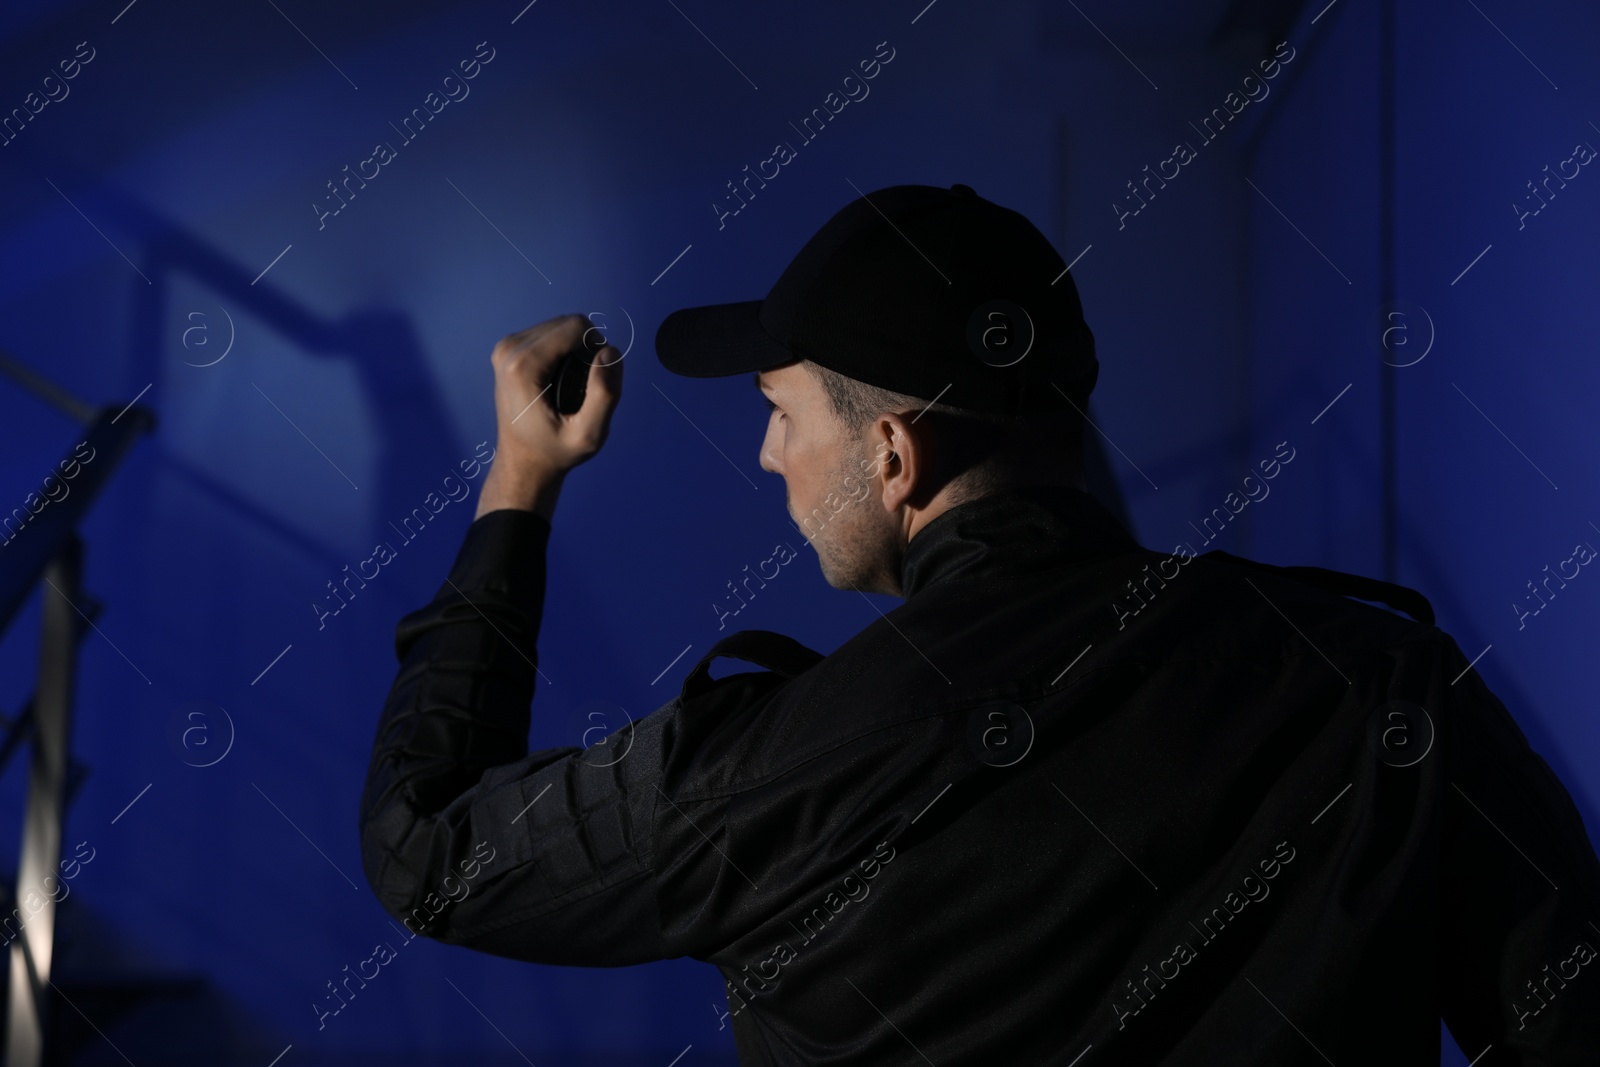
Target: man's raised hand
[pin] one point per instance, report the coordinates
(537, 444)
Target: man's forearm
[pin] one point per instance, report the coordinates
(458, 707)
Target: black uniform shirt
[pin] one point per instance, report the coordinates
(1073, 802)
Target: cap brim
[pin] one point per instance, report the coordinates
(717, 340)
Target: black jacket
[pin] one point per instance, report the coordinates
(1072, 802)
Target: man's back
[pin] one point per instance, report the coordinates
(1038, 813)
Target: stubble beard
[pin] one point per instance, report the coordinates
(856, 547)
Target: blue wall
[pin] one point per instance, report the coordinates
(165, 206)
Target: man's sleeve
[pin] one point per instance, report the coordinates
(1519, 973)
(468, 838)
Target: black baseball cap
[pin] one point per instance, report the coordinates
(935, 293)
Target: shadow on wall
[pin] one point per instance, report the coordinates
(380, 344)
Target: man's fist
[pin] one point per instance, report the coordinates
(537, 444)
(525, 365)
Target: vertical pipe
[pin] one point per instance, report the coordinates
(32, 954)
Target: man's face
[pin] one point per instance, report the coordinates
(831, 483)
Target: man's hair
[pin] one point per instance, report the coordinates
(980, 451)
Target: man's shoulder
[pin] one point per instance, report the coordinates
(935, 656)
(1232, 605)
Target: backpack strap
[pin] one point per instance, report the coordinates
(1395, 596)
(778, 653)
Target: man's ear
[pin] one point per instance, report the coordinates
(907, 462)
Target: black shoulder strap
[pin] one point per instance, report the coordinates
(776, 652)
(1399, 597)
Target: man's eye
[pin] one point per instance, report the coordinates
(768, 401)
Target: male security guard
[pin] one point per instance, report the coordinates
(1252, 822)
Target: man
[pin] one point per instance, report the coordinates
(1073, 802)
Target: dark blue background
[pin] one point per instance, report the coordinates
(1229, 313)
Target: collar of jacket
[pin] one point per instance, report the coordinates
(1011, 531)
